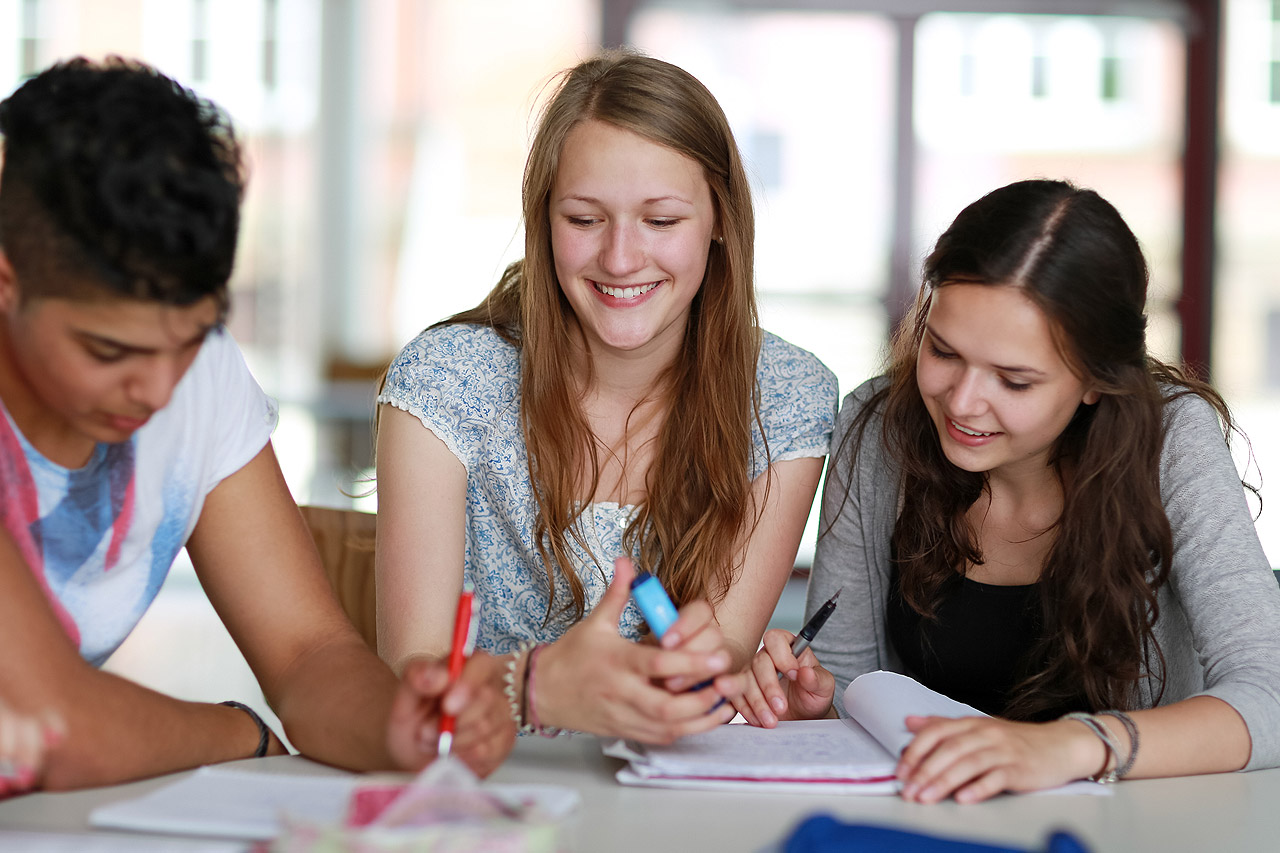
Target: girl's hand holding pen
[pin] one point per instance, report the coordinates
(804, 692)
(594, 680)
(692, 628)
(809, 687)
(485, 732)
(695, 630)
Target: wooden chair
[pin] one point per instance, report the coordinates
(345, 539)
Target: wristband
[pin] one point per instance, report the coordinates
(545, 731)
(264, 733)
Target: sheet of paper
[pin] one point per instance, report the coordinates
(759, 786)
(795, 751)
(882, 700)
(104, 842)
(223, 803)
(227, 803)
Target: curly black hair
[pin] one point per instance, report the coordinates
(118, 179)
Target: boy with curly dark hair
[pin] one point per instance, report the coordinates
(131, 428)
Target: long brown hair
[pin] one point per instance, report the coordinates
(698, 487)
(1072, 254)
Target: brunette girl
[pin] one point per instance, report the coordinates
(1033, 515)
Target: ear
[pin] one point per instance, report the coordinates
(9, 295)
(1091, 396)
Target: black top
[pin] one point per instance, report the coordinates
(974, 650)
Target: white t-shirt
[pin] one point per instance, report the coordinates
(100, 539)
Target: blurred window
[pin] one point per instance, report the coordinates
(997, 98)
(270, 46)
(819, 87)
(29, 50)
(199, 41)
(386, 139)
(1092, 99)
(1246, 351)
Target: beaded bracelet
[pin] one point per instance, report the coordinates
(520, 701)
(509, 687)
(1103, 734)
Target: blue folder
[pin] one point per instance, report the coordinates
(823, 833)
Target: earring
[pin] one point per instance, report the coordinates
(719, 239)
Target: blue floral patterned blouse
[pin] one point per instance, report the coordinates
(463, 383)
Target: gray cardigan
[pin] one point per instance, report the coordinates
(1219, 624)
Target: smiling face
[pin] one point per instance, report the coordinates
(994, 381)
(631, 227)
(74, 372)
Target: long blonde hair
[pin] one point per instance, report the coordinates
(698, 487)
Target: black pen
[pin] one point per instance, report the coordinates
(811, 628)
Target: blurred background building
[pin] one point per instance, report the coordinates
(386, 139)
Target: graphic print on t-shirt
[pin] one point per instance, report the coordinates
(98, 499)
(100, 539)
(20, 515)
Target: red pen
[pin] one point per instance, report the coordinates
(464, 639)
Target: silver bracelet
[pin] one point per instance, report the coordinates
(509, 687)
(1132, 729)
(1103, 734)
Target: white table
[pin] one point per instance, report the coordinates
(1219, 814)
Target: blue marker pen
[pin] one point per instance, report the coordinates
(660, 614)
(653, 601)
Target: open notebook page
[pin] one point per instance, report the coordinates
(794, 751)
(881, 701)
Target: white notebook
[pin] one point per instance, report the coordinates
(847, 756)
(218, 802)
(222, 802)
